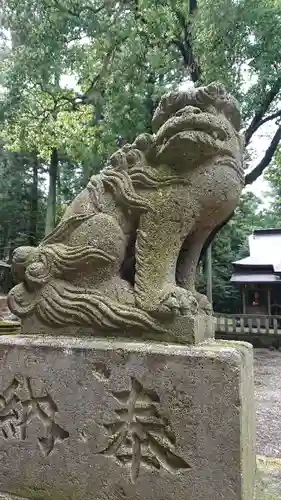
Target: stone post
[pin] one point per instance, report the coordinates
(110, 419)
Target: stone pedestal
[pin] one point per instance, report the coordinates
(182, 330)
(116, 420)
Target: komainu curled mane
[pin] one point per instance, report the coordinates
(126, 251)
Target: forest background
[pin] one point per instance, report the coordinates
(79, 78)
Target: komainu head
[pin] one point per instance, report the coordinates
(197, 125)
(201, 124)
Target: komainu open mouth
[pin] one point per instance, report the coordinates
(204, 122)
(193, 133)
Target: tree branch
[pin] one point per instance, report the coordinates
(64, 9)
(258, 170)
(76, 13)
(258, 117)
(192, 6)
(184, 44)
(90, 95)
(180, 46)
(270, 117)
(97, 87)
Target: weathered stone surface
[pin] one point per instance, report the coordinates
(6, 496)
(268, 478)
(182, 330)
(114, 420)
(124, 256)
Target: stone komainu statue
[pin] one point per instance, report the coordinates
(124, 256)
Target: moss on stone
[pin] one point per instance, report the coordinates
(268, 485)
(34, 493)
(269, 478)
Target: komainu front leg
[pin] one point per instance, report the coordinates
(187, 265)
(157, 248)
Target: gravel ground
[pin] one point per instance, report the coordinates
(268, 402)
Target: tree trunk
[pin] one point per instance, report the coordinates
(148, 101)
(7, 281)
(34, 203)
(209, 274)
(7, 243)
(51, 202)
(4, 240)
(86, 172)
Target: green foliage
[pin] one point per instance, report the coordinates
(119, 66)
(15, 202)
(273, 176)
(122, 56)
(243, 41)
(230, 245)
(80, 76)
